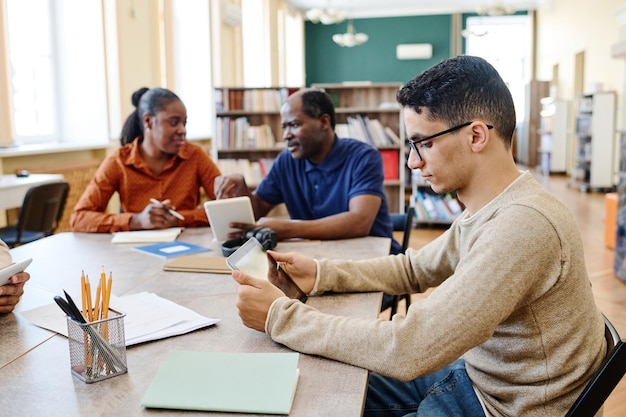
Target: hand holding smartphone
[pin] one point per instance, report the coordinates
(15, 268)
(277, 276)
(252, 259)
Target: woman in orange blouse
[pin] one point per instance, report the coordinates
(155, 162)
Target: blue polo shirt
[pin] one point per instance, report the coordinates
(312, 191)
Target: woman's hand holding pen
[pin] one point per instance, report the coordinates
(154, 216)
(10, 293)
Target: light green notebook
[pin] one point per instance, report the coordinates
(225, 381)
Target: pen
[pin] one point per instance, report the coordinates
(172, 212)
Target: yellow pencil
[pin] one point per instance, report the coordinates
(107, 297)
(83, 294)
(96, 314)
(88, 290)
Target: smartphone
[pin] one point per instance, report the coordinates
(15, 268)
(254, 260)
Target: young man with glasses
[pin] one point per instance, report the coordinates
(511, 327)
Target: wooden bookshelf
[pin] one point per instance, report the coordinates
(248, 134)
(371, 106)
(375, 102)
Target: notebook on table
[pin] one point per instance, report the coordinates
(225, 381)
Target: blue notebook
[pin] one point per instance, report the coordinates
(225, 381)
(170, 249)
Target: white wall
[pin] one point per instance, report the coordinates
(565, 28)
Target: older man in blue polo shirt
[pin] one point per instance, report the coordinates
(332, 188)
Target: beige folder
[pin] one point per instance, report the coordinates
(197, 263)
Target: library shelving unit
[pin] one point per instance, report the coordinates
(248, 132)
(432, 209)
(594, 161)
(553, 134)
(373, 106)
(619, 264)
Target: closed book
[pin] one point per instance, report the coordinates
(199, 263)
(391, 163)
(262, 383)
(147, 236)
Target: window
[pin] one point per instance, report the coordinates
(292, 53)
(58, 81)
(504, 41)
(192, 65)
(256, 65)
(31, 69)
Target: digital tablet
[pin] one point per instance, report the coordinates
(12, 269)
(223, 212)
(252, 259)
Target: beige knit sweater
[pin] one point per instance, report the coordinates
(512, 298)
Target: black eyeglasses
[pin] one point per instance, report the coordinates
(412, 143)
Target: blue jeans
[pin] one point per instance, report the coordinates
(445, 393)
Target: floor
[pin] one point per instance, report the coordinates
(610, 292)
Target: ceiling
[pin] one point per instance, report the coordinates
(386, 8)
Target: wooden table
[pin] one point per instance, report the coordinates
(34, 363)
(14, 188)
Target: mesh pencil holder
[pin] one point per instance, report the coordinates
(98, 348)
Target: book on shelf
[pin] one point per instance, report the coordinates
(392, 136)
(235, 99)
(391, 162)
(435, 207)
(256, 382)
(366, 130)
(252, 171)
(251, 99)
(238, 133)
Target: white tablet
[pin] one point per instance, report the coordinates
(223, 212)
(12, 269)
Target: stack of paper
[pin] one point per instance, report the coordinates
(225, 381)
(147, 236)
(148, 317)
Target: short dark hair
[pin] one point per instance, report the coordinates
(145, 100)
(316, 102)
(462, 89)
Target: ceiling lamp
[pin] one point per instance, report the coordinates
(497, 8)
(327, 16)
(350, 38)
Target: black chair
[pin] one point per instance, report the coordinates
(39, 215)
(402, 222)
(605, 379)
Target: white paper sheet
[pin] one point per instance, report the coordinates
(148, 317)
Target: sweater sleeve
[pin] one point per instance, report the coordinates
(496, 276)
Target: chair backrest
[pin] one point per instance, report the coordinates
(403, 222)
(42, 208)
(605, 379)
